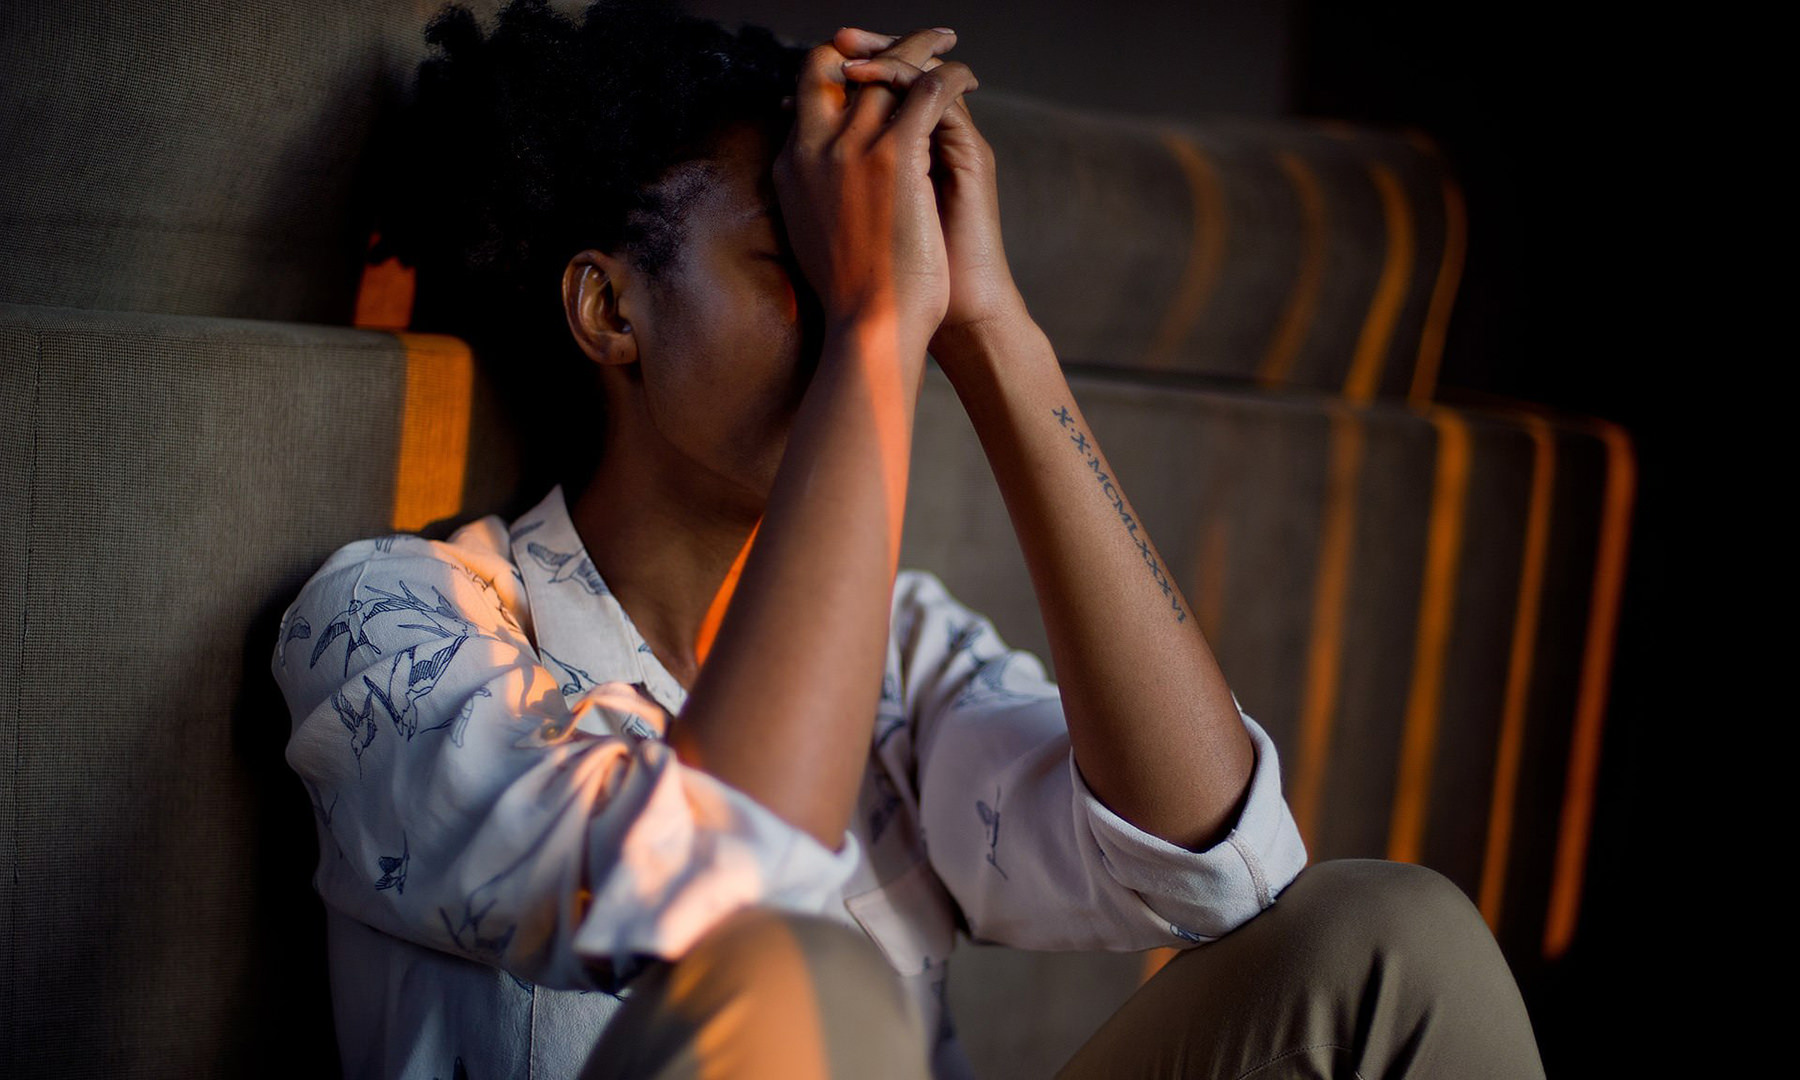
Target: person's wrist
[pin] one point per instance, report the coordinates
(879, 333)
(1005, 330)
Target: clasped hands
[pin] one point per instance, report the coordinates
(888, 189)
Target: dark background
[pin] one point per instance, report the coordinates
(1557, 128)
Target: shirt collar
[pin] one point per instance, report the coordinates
(583, 633)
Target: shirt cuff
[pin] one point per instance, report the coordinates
(1206, 894)
(697, 851)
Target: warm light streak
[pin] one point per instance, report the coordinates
(432, 456)
(1511, 747)
(878, 359)
(1364, 379)
(384, 300)
(1303, 300)
(715, 614)
(1206, 251)
(1155, 960)
(1437, 607)
(1324, 658)
(1596, 675)
(1443, 294)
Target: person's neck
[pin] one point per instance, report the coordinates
(664, 540)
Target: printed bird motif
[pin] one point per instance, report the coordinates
(360, 724)
(407, 600)
(988, 683)
(574, 681)
(965, 636)
(466, 932)
(402, 694)
(460, 726)
(573, 566)
(990, 816)
(394, 867)
(357, 615)
(348, 621)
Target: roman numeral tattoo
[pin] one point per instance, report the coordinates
(1088, 452)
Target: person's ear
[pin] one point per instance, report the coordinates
(594, 288)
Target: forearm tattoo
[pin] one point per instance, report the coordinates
(1085, 447)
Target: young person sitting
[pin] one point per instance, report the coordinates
(572, 822)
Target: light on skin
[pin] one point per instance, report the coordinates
(717, 422)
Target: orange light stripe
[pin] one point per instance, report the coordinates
(1303, 301)
(1372, 344)
(384, 299)
(434, 430)
(1206, 251)
(1443, 294)
(1437, 607)
(1318, 710)
(1518, 673)
(1596, 675)
(715, 613)
(1154, 960)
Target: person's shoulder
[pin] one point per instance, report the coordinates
(468, 578)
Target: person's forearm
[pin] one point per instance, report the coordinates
(1154, 729)
(784, 707)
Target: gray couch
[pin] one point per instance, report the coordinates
(1415, 599)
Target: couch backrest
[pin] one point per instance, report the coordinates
(168, 485)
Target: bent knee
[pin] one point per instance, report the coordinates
(1391, 910)
(768, 948)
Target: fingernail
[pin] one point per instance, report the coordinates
(943, 30)
(854, 63)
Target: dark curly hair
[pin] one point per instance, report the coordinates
(550, 135)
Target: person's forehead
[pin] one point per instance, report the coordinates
(742, 189)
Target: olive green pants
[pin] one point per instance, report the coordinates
(1360, 969)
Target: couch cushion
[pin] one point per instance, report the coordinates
(168, 485)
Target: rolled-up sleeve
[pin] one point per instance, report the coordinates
(461, 807)
(1205, 894)
(1030, 855)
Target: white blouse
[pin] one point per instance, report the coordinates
(505, 838)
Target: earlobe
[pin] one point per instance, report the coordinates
(591, 288)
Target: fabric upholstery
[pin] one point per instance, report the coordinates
(200, 158)
(176, 481)
(1280, 253)
(1234, 486)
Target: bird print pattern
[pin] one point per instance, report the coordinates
(571, 566)
(440, 697)
(990, 818)
(394, 867)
